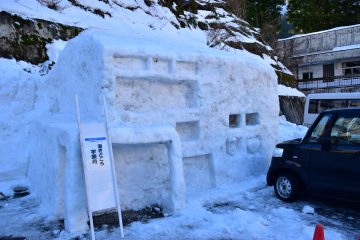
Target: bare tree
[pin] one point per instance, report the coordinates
(237, 7)
(286, 50)
(217, 37)
(268, 34)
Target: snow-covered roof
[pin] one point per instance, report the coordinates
(334, 50)
(324, 31)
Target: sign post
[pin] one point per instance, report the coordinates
(99, 169)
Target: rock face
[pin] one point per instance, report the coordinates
(26, 39)
(20, 189)
(2, 196)
(292, 108)
(225, 30)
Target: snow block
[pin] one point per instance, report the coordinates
(56, 174)
(183, 118)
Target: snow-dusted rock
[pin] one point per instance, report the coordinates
(20, 188)
(2, 196)
(308, 209)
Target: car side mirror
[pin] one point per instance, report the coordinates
(325, 144)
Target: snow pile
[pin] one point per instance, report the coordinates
(17, 97)
(54, 49)
(308, 209)
(288, 91)
(289, 131)
(212, 101)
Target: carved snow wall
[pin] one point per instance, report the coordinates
(183, 118)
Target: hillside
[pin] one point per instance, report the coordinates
(29, 25)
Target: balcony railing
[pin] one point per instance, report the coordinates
(333, 82)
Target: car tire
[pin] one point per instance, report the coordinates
(287, 187)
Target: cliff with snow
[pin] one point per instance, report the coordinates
(27, 26)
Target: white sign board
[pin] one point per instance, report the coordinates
(99, 169)
(96, 159)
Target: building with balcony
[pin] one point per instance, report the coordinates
(325, 61)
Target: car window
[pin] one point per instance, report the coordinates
(354, 103)
(346, 131)
(319, 130)
(325, 104)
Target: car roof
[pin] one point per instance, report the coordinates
(355, 110)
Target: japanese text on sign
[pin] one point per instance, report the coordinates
(98, 167)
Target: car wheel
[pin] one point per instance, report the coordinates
(287, 187)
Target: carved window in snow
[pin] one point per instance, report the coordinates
(234, 120)
(252, 119)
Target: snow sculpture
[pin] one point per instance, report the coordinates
(183, 118)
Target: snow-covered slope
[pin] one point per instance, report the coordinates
(210, 23)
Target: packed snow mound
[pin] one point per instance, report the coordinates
(289, 131)
(288, 91)
(184, 116)
(17, 97)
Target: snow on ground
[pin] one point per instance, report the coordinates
(242, 211)
(247, 210)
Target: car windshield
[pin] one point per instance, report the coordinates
(319, 130)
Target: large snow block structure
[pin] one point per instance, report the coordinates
(183, 117)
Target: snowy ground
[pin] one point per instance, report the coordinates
(246, 210)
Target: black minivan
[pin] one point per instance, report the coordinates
(326, 162)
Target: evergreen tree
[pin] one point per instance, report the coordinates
(265, 14)
(315, 15)
(262, 12)
(286, 28)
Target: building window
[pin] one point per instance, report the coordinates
(313, 106)
(351, 68)
(319, 105)
(307, 75)
(328, 72)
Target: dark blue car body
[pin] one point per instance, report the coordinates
(327, 161)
